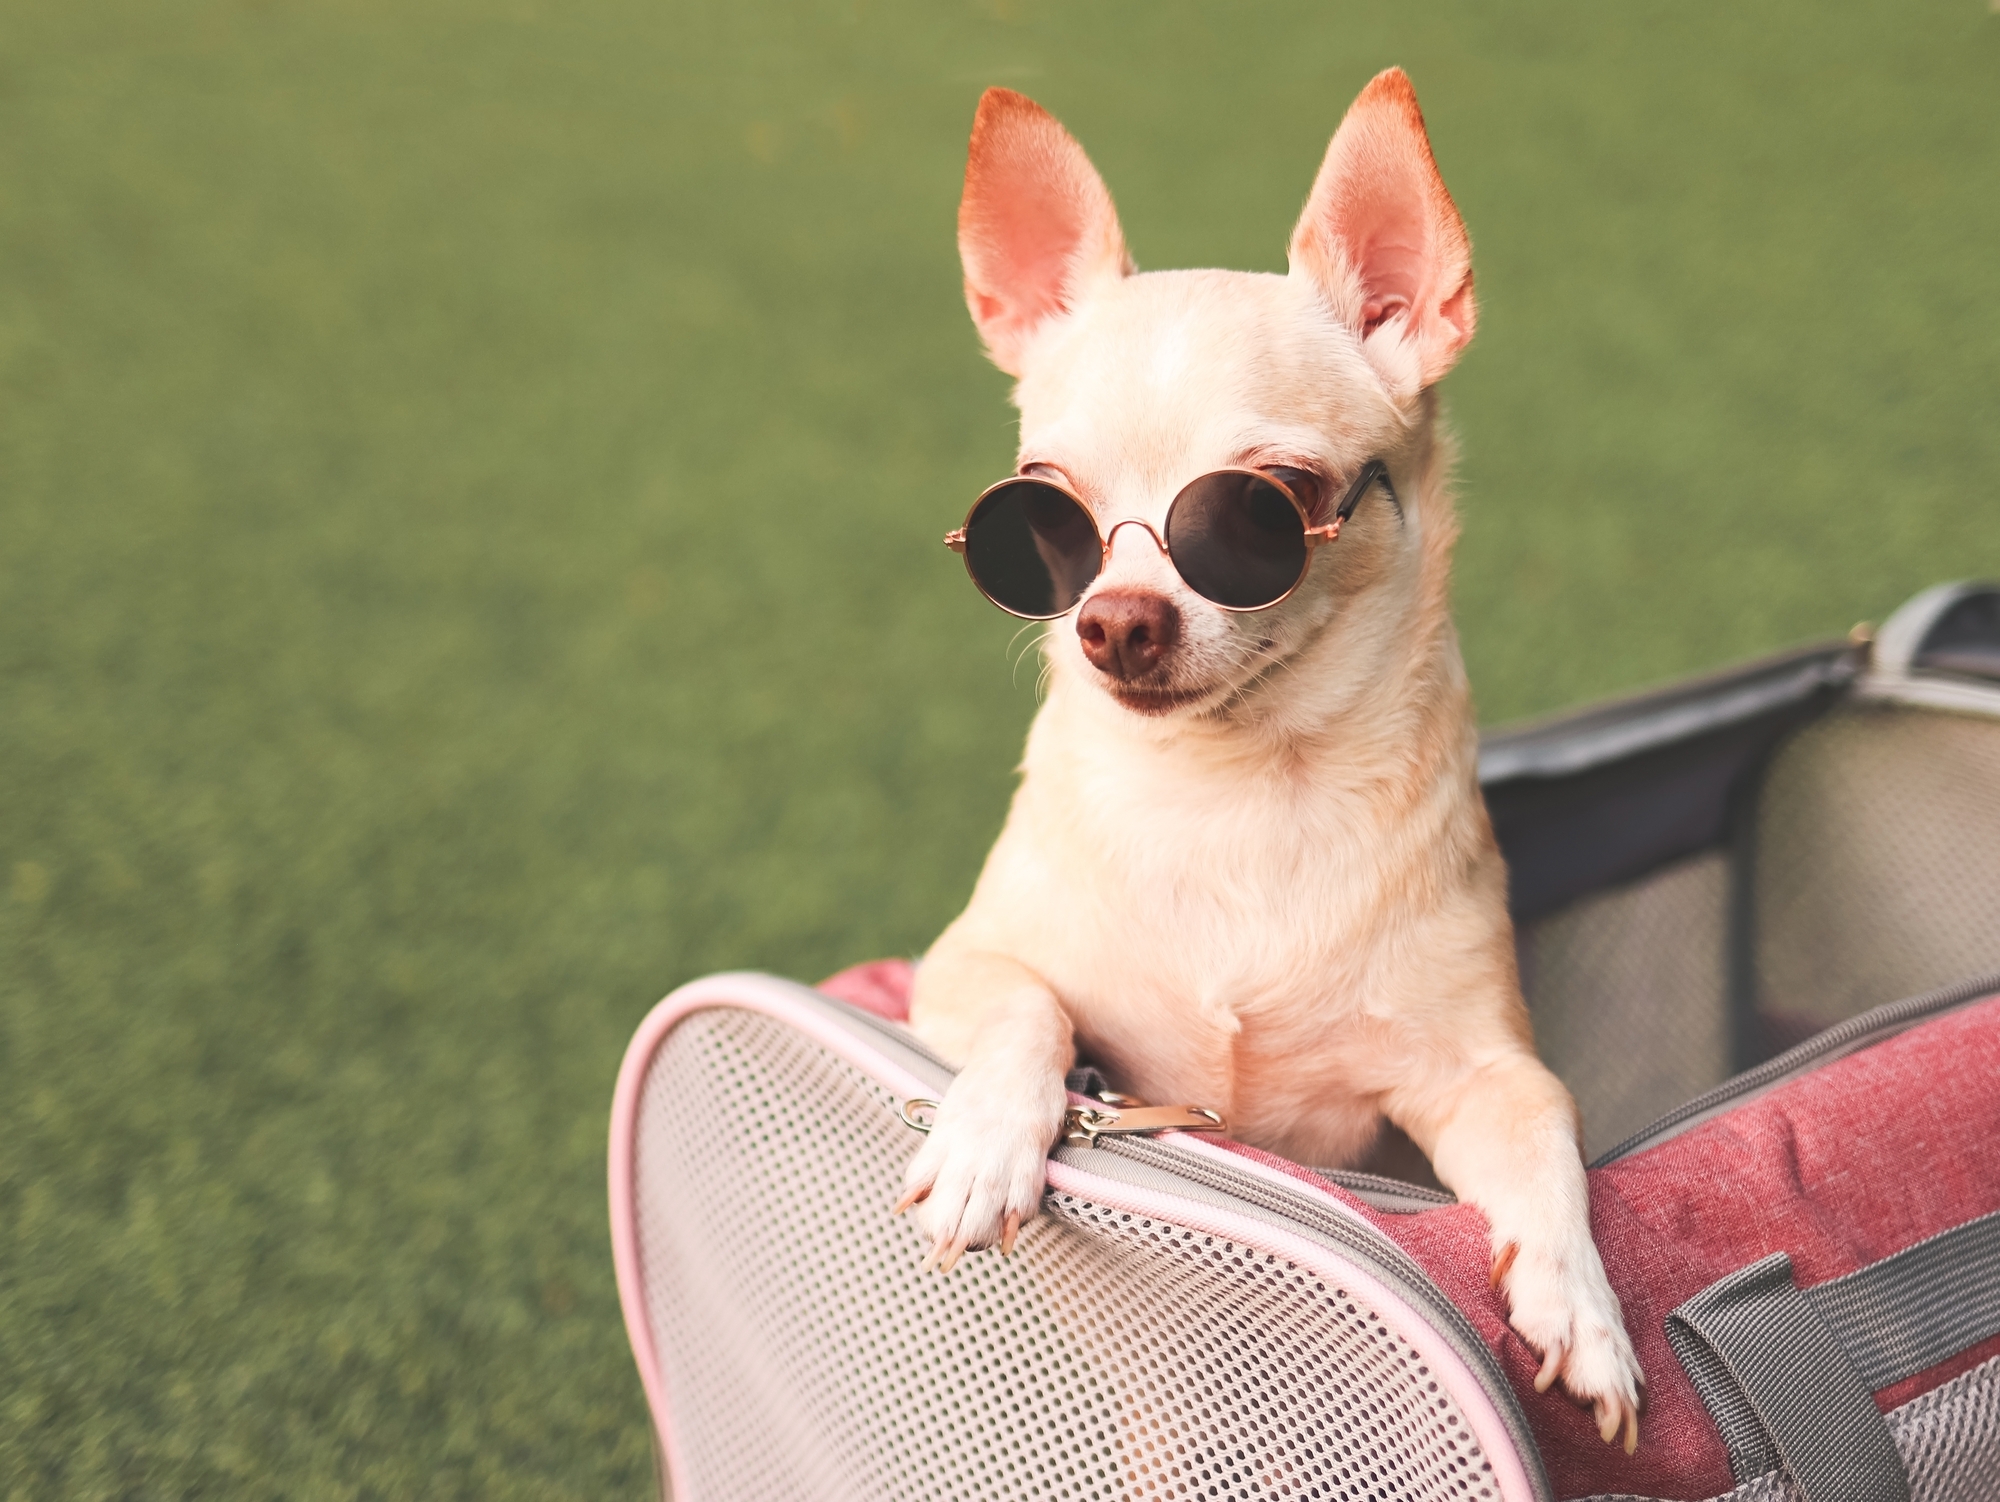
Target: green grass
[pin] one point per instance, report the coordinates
(472, 475)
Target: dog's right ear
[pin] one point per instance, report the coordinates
(1035, 228)
(1382, 239)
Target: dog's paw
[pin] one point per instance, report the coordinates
(1563, 1306)
(979, 1174)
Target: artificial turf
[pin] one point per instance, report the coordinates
(472, 475)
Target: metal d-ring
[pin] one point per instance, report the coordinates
(915, 1105)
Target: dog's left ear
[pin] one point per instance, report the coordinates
(1383, 240)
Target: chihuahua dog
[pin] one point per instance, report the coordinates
(1248, 864)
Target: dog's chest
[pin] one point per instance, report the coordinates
(1202, 942)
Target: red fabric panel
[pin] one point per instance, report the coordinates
(1891, 1398)
(1855, 1161)
(880, 986)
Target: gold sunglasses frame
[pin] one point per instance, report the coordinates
(1315, 537)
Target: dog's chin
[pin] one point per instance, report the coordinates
(1154, 695)
(1154, 701)
(1156, 698)
(1167, 692)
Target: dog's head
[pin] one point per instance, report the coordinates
(1130, 386)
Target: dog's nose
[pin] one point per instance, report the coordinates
(1125, 632)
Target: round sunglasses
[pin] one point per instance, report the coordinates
(1240, 538)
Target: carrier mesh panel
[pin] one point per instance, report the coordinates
(1949, 1440)
(1877, 863)
(1629, 991)
(806, 1356)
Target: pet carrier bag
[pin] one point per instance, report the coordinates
(1760, 912)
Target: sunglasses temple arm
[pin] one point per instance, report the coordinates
(1372, 471)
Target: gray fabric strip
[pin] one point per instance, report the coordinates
(1750, 1451)
(1896, 1317)
(1768, 1350)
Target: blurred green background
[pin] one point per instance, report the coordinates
(472, 475)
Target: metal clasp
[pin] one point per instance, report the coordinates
(1085, 1124)
(1119, 1117)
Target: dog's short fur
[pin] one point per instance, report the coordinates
(1248, 865)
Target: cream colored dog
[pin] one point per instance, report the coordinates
(1248, 865)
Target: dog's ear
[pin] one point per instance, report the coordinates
(1382, 239)
(1035, 227)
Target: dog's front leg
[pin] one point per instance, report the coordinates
(1508, 1143)
(980, 1172)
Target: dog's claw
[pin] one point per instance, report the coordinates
(1571, 1323)
(1552, 1361)
(911, 1197)
(1614, 1415)
(1009, 1231)
(943, 1256)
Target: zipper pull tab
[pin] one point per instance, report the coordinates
(1085, 1124)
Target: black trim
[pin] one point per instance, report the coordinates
(1965, 640)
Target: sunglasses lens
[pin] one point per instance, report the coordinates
(1237, 540)
(1032, 549)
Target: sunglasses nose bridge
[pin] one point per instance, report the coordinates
(1111, 536)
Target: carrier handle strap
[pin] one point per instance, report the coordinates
(1908, 1312)
(1782, 1389)
(1754, 1336)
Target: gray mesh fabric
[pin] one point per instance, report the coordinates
(1877, 861)
(1950, 1438)
(1629, 990)
(1200, 1400)
(805, 1355)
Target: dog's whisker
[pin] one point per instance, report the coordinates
(1014, 675)
(1014, 641)
(1273, 662)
